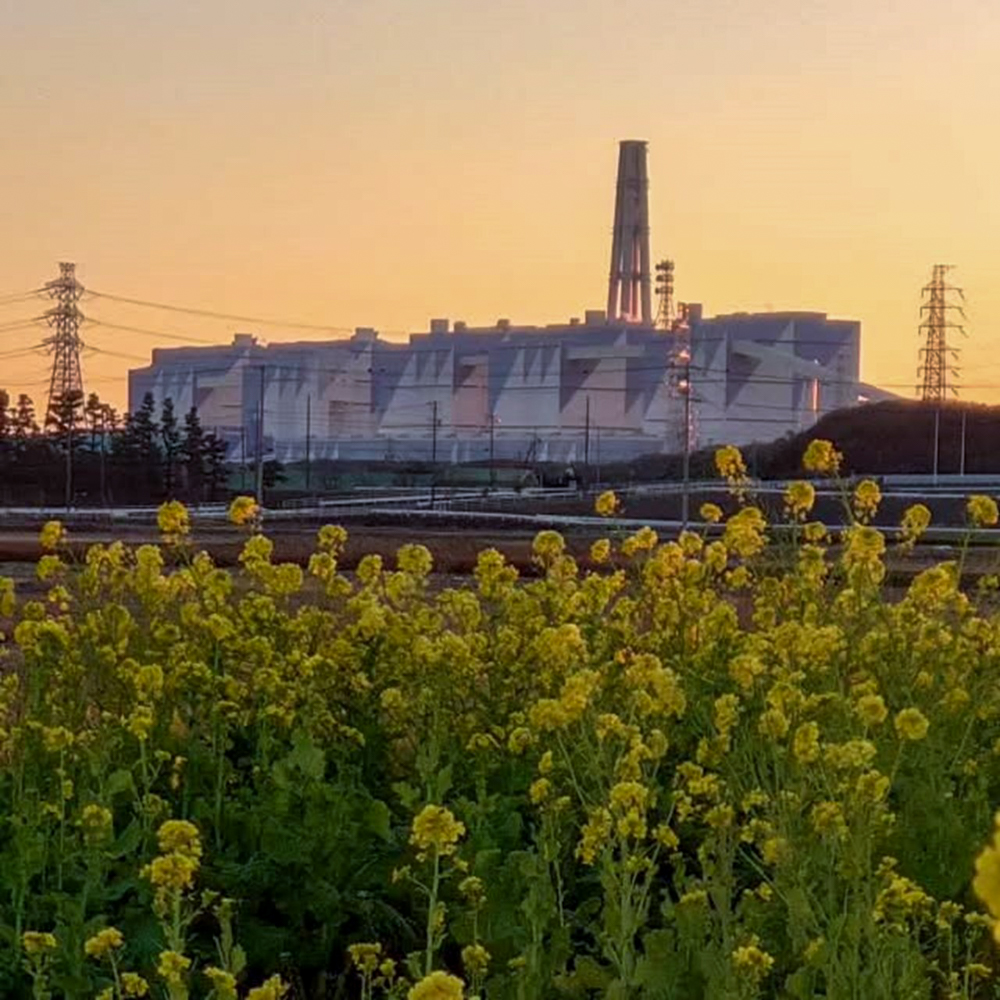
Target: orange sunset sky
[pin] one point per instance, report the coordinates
(379, 162)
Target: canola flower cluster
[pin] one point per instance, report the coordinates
(706, 766)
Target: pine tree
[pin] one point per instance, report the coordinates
(22, 421)
(170, 441)
(5, 417)
(216, 472)
(93, 411)
(193, 454)
(137, 453)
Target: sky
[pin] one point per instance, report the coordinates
(379, 162)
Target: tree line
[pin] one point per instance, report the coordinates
(88, 453)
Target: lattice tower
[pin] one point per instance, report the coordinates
(937, 372)
(65, 319)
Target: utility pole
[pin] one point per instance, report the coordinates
(961, 463)
(686, 467)
(243, 454)
(937, 441)
(586, 443)
(104, 434)
(493, 478)
(434, 432)
(308, 441)
(434, 450)
(260, 440)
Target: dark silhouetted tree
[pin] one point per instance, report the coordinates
(193, 455)
(170, 446)
(216, 471)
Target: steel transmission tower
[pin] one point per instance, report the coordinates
(64, 343)
(937, 373)
(665, 294)
(629, 297)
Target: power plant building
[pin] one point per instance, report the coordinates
(608, 387)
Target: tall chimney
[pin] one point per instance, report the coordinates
(629, 297)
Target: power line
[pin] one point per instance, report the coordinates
(97, 321)
(36, 293)
(212, 314)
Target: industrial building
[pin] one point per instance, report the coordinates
(613, 385)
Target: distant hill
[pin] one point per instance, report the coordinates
(895, 436)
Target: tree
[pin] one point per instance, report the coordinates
(5, 417)
(93, 411)
(65, 419)
(137, 453)
(170, 442)
(23, 424)
(216, 472)
(193, 454)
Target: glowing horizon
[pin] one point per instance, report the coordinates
(378, 165)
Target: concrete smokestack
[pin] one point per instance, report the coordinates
(629, 292)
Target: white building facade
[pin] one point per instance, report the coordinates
(595, 390)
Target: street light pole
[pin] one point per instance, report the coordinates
(260, 440)
(685, 357)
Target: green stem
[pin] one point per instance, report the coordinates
(431, 914)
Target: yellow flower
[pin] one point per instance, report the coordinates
(273, 989)
(730, 465)
(594, 835)
(172, 967)
(104, 942)
(473, 889)
(476, 959)
(911, 724)
(871, 709)
(366, 956)
(436, 827)
(172, 872)
(95, 822)
(178, 836)
(822, 457)
(773, 723)
(539, 790)
(867, 497)
(986, 883)
(828, 818)
(805, 744)
(134, 985)
(744, 534)
(223, 983)
(600, 551)
(173, 520)
(548, 545)
(38, 942)
(52, 535)
(243, 511)
(607, 504)
(982, 511)
(711, 513)
(752, 962)
(799, 499)
(915, 522)
(864, 548)
(437, 986)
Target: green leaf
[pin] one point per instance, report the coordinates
(127, 841)
(119, 781)
(377, 819)
(239, 960)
